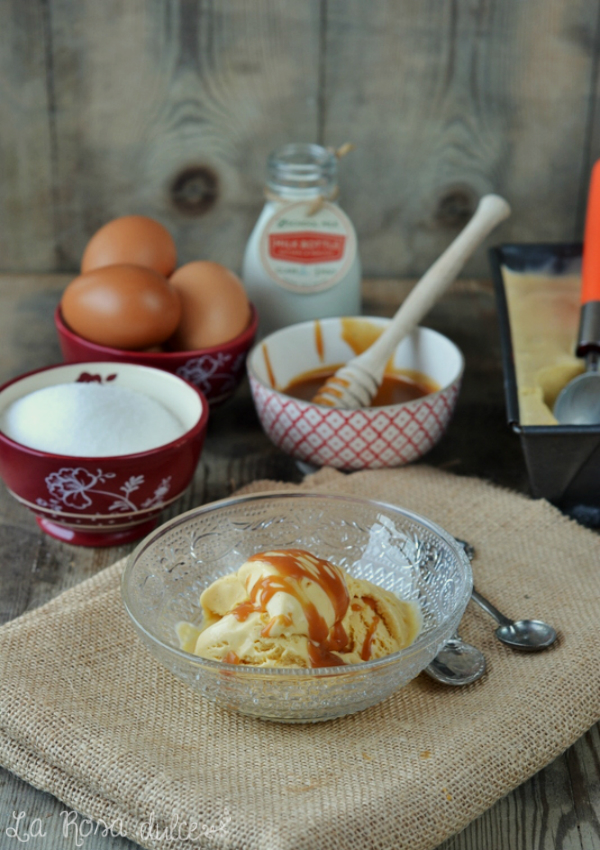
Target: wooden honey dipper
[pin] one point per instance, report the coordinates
(356, 383)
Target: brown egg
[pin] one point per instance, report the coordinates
(214, 306)
(132, 239)
(122, 306)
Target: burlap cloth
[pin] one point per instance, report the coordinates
(88, 715)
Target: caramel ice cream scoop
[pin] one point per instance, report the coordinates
(288, 608)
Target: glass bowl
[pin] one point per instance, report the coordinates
(392, 547)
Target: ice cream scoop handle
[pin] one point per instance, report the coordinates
(588, 337)
(590, 265)
(492, 209)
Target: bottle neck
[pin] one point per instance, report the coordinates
(299, 172)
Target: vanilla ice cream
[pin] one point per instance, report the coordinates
(288, 608)
(544, 317)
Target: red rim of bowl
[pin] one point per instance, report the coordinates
(241, 339)
(186, 437)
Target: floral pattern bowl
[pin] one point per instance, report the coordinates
(104, 501)
(216, 371)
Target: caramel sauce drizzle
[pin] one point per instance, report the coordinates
(284, 619)
(332, 385)
(319, 340)
(367, 646)
(270, 373)
(323, 642)
(340, 382)
(359, 334)
(231, 658)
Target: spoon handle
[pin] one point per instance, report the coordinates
(490, 609)
(588, 340)
(355, 384)
(492, 209)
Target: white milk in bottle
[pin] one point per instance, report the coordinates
(301, 261)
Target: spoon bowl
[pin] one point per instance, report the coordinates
(457, 663)
(372, 438)
(579, 402)
(528, 635)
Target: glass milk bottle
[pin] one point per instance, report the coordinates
(301, 261)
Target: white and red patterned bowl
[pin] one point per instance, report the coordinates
(104, 501)
(216, 371)
(369, 438)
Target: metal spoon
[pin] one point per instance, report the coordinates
(579, 402)
(530, 635)
(457, 663)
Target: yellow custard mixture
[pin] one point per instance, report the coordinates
(544, 319)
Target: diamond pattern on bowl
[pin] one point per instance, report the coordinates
(354, 439)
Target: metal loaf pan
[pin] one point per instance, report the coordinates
(563, 461)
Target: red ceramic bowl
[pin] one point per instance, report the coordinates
(104, 501)
(216, 371)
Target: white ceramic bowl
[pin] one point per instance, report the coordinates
(369, 438)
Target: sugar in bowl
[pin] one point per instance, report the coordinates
(98, 450)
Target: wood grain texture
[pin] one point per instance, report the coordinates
(170, 107)
(153, 94)
(592, 152)
(27, 238)
(448, 101)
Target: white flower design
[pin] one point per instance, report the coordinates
(71, 487)
(204, 371)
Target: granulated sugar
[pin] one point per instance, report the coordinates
(90, 420)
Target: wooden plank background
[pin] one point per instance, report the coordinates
(170, 107)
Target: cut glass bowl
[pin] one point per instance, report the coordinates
(391, 547)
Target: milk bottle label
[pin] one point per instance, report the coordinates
(307, 253)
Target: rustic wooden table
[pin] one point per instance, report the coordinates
(557, 808)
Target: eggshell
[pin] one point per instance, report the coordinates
(214, 306)
(122, 306)
(131, 239)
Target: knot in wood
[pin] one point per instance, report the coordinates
(455, 207)
(195, 190)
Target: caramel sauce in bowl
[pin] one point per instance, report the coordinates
(407, 418)
(396, 387)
